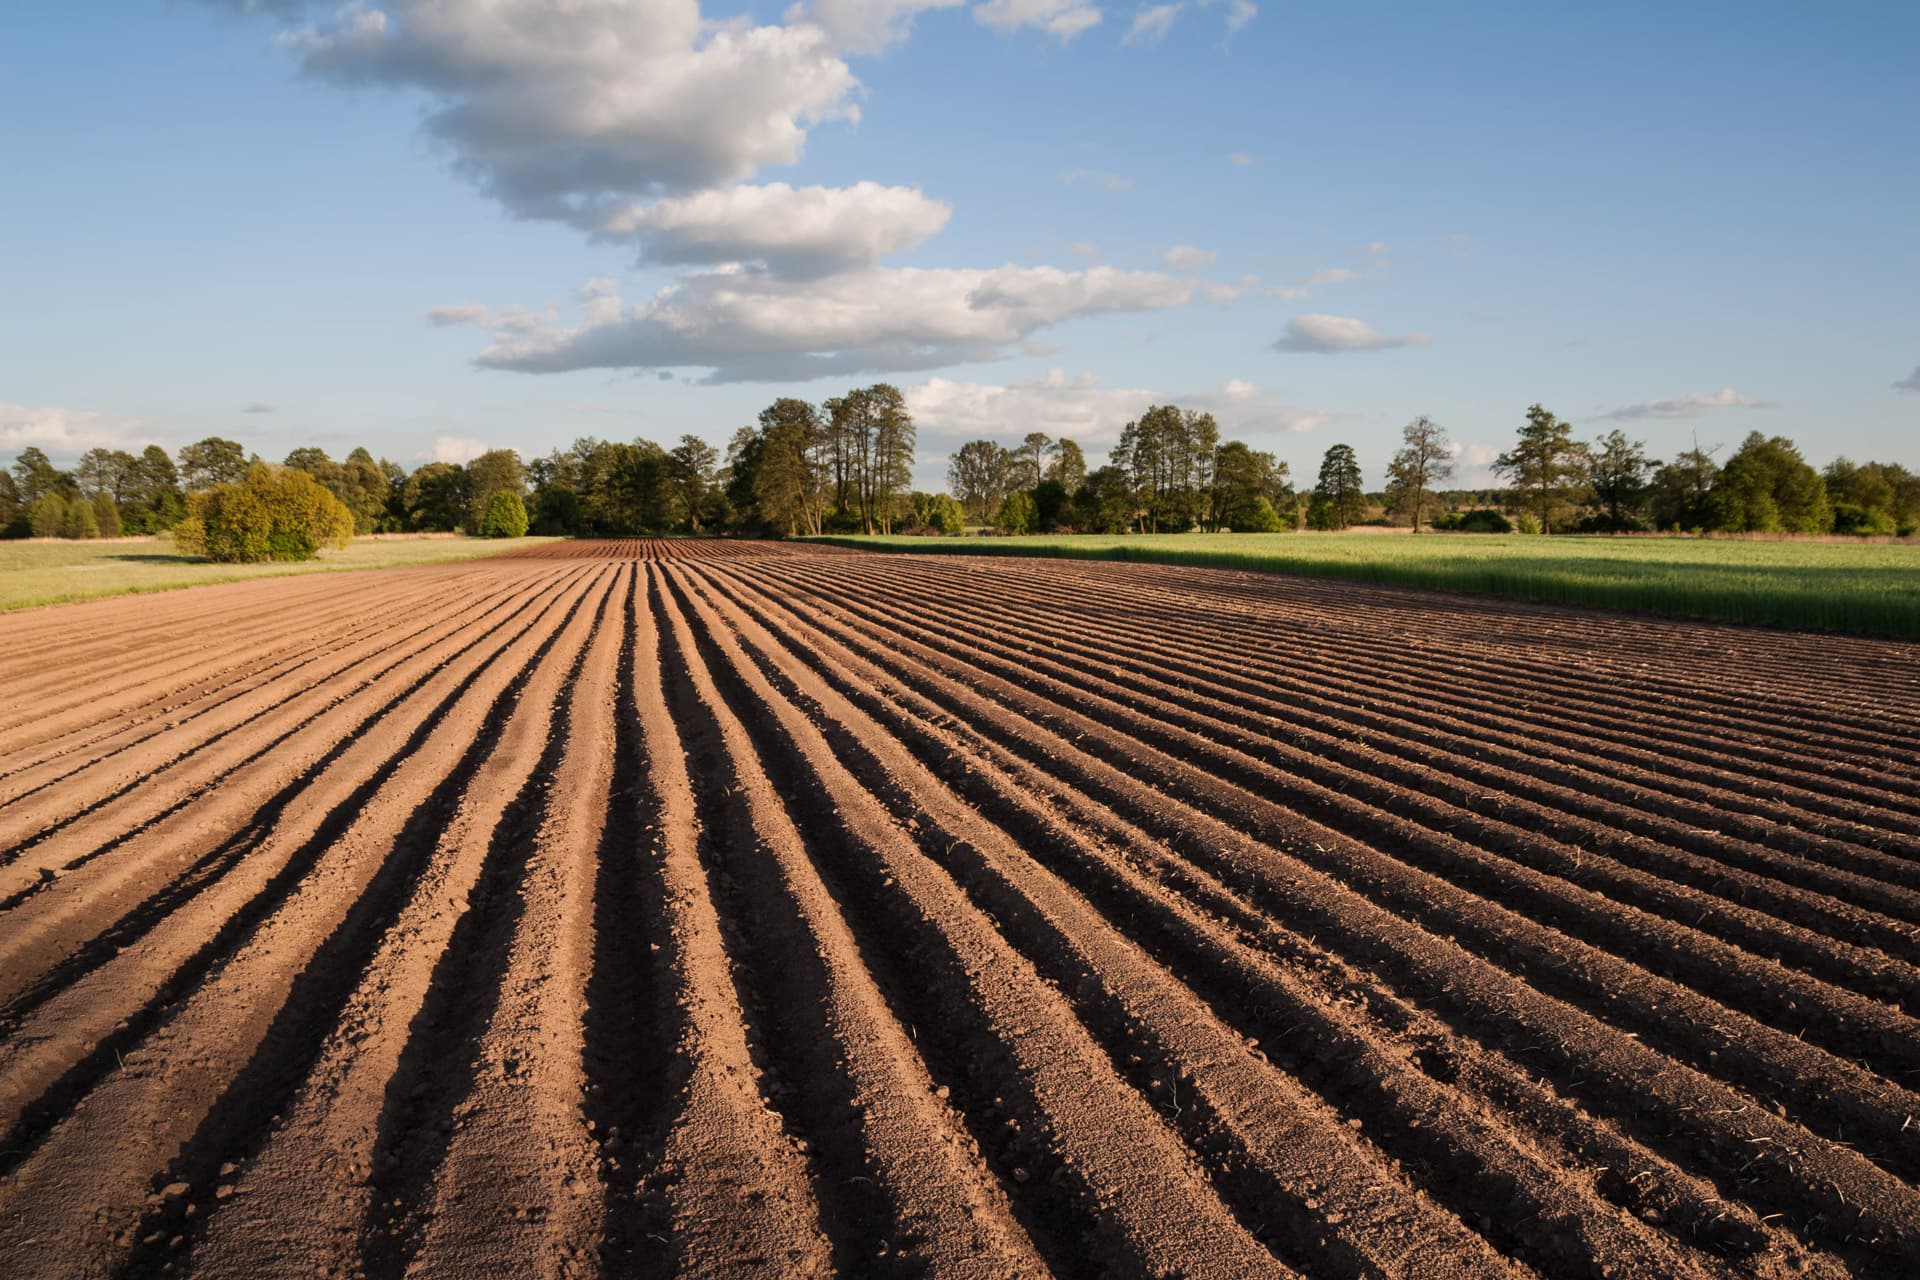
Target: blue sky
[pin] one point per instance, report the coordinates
(431, 227)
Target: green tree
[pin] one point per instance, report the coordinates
(1424, 461)
(1068, 467)
(1030, 461)
(1767, 487)
(47, 515)
(35, 476)
(106, 515)
(271, 513)
(212, 461)
(784, 490)
(1546, 466)
(980, 472)
(506, 516)
(887, 475)
(1016, 514)
(153, 501)
(1681, 494)
(1245, 482)
(436, 497)
(495, 471)
(1106, 501)
(13, 517)
(1339, 495)
(690, 469)
(79, 520)
(1619, 474)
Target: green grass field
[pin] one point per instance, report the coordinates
(1860, 589)
(35, 573)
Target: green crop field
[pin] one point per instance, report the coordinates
(1857, 588)
(50, 572)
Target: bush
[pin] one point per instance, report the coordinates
(506, 516)
(1861, 522)
(272, 514)
(1479, 520)
(1526, 524)
(1257, 516)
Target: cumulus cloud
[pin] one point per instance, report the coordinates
(754, 326)
(797, 231)
(559, 110)
(1096, 177)
(1333, 335)
(1151, 25)
(1185, 257)
(1909, 383)
(455, 449)
(68, 433)
(1691, 405)
(1077, 407)
(261, 406)
(1061, 19)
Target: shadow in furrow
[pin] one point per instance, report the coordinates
(239, 1121)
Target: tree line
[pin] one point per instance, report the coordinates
(845, 465)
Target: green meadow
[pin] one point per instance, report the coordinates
(1870, 589)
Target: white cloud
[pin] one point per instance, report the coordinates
(1185, 257)
(753, 326)
(1152, 24)
(1691, 405)
(261, 406)
(1332, 335)
(1078, 407)
(1243, 410)
(1377, 247)
(1327, 275)
(456, 449)
(598, 287)
(1061, 19)
(1910, 383)
(1240, 13)
(558, 110)
(1239, 158)
(1085, 249)
(1228, 291)
(512, 319)
(65, 434)
(1096, 177)
(865, 26)
(798, 231)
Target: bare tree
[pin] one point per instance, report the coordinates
(1424, 461)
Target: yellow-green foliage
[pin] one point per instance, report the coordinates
(274, 513)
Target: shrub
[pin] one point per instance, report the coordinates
(273, 513)
(1858, 521)
(506, 516)
(1257, 516)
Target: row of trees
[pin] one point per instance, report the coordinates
(1610, 485)
(112, 491)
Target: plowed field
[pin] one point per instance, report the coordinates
(721, 909)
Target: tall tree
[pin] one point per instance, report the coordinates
(1245, 483)
(1682, 490)
(690, 469)
(1339, 495)
(978, 474)
(1068, 466)
(1618, 472)
(1030, 460)
(1546, 466)
(889, 476)
(1424, 461)
(212, 461)
(35, 476)
(812, 439)
(495, 471)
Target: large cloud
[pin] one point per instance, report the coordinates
(747, 325)
(800, 232)
(1077, 407)
(1333, 335)
(1691, 405)
(562, 110)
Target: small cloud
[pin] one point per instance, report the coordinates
(598, 287)
(1240, 13)
(456, 449)
(1185, 257)
(1692, 405)
(1228, 291)
(445, 317)
(1085, 249)
(1151, 25)
(1097, 178)
(1239, 159)
(261, 406)
(1378, 247)
(1329, 275)
(665, 375)
(1336, 335)
(1910, 383)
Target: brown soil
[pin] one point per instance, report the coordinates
(722, 908)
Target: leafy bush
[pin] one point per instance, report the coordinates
(1257, 516)
(1479, 520)
(506, 516)
(1857, 521)
(273, 513)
